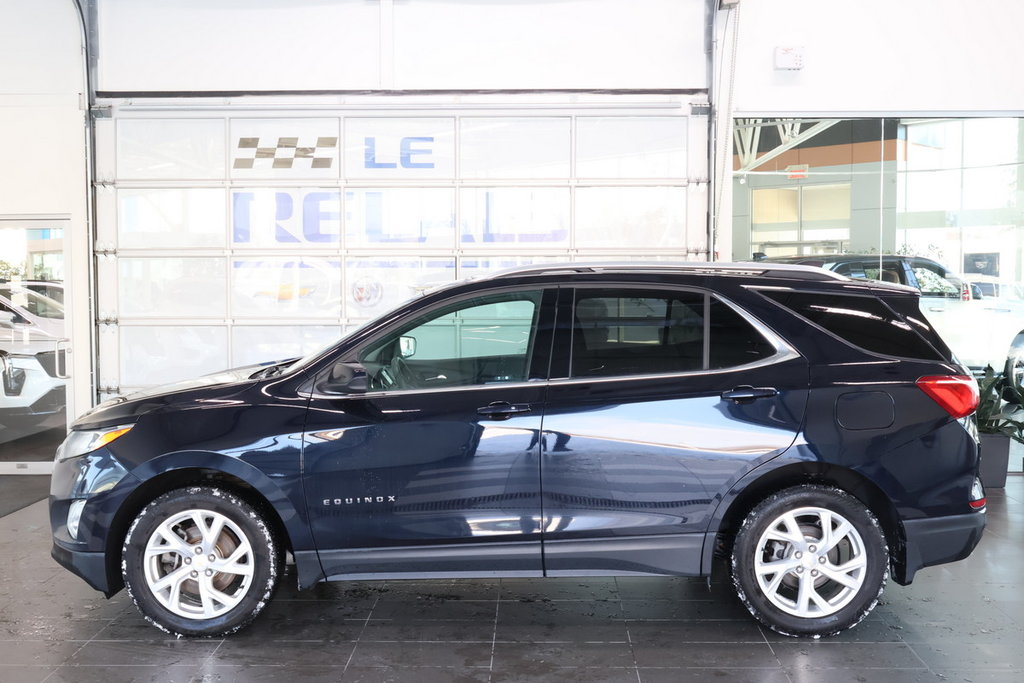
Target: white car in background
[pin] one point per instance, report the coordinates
(982, 329)
(35, 312)
(34, 366)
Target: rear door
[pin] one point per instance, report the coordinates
(665, 398)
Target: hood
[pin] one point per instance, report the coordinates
(124, 409)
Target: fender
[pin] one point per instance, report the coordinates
(286, 495)
(795, 455)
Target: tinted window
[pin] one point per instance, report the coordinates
(863, 321)
(734, 341)
(481, 341)
(626, 332)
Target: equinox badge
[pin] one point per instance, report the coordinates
(364, 500)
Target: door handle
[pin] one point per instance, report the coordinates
(748, 394)
(502, 410)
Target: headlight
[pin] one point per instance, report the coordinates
(82, 442)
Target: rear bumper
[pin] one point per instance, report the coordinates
(938, 540)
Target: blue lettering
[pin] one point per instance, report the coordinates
(315, 214)
(284, 212)
(242, 224)
(408, 151)
(370, 156)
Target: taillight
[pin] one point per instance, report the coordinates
(977, 501)
(957, 394)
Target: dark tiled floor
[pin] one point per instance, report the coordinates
(960, 622)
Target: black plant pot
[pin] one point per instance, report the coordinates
(995, 460)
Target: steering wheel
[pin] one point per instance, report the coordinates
(401, 374)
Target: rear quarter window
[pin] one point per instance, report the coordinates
(863, 321)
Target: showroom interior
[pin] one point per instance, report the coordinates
(198, 185)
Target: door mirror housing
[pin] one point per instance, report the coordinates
(345, 378)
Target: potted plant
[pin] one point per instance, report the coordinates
(995, 429)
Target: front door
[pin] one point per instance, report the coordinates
(421, 450)
(670, 397)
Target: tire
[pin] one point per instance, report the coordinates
(1013, 377)
(787, 579)
(219, 567)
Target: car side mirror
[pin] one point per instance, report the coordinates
(407, 347)
(345, 378)
(7, 319)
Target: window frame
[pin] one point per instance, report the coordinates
(561, 360)
(766, 292)
(538, 358)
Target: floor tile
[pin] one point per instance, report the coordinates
(957, 622)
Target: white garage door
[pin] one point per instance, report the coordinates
(233, 235)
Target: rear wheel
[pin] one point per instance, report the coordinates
(200, 561)
(810, 561)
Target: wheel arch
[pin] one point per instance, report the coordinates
(285, 518)
(732, 512)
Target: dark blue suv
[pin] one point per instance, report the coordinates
(562, 420)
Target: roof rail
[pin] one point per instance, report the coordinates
(693, 267)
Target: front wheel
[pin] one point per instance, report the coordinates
(199, 561)
(810, 561)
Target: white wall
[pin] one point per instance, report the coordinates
(43, 158)
(232, 45)
(873, 56)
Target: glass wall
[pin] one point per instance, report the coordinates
(933, 203)
(948, 189)
(34, 366)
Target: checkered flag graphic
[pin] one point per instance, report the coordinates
(285, 152)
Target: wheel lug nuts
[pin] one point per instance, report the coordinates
(798, 555)
(799, 570)
(188, 560)
(194, 574)
(213, 558)
(812, 549)
(209, 572)
(814, 572)
(199, 551)
(821, 559)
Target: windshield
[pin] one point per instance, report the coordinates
(36, 304)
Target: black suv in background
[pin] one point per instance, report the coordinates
(561, 420)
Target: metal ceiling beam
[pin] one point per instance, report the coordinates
(785, 128)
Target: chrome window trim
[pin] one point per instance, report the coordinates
(783, 353)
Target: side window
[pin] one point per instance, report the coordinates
(863, 321)
(889, 272)
(484, 340)
(934, 283)
(734, 341)
(634, 332)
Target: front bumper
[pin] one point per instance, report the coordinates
(938, 540)
(99, 480)
(92, 567)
